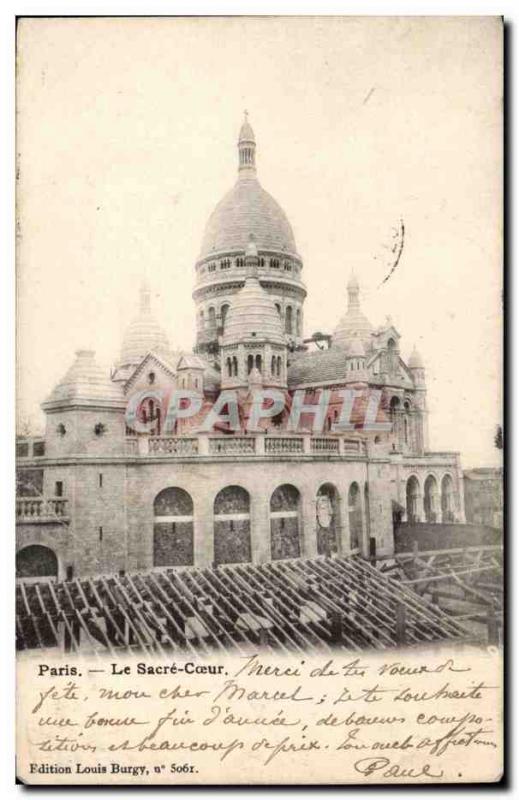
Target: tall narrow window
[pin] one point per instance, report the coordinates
(100, 480)
(250, 363)
(59, 489)
(258, 362)
(288, 320)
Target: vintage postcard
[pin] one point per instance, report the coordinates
(259, 508)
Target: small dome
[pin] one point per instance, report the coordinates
(415, 360)
(143, 334)
(86, 381)
(356, 348)
(253, 316)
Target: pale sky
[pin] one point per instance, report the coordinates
(127, 136)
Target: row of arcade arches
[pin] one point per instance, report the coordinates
(173, 532)
(435, 502)
(174, 517)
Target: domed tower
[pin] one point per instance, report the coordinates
(143, 335)
(354, 322)
(220, 270)
(253, 348)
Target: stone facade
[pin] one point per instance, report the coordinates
(107, 497)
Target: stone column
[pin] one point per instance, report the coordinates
(203, 532)
(345, 542)
(309, 539)
(260, 528)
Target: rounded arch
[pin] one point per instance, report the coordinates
(412, 493)
(285, 522)
(211, 315)
(355, 515)
(36, 561)
(232, 532)
(223, 312)
(447, 498)
(328, 519)
(430, 499)
(173, 512)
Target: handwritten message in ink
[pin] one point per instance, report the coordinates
(419, 717)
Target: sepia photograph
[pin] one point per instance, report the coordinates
(259, 299)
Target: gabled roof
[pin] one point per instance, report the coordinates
(405, 373)
(152, 359)
(191, 361)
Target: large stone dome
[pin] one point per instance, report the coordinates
(247, 208)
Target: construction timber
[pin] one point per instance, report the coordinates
(289, 606)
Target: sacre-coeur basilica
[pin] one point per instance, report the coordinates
(101, 496)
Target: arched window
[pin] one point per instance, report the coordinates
(258, 362)
(355, 515)
(173, 528)
(201, 317)
(250, 363)
(298, 322)
(274, 263)
(413, 499)
(212, 317)
(234, 365)
(229, 367)
(285, 522)
(36, 561)
(232, 526)
(407, 423)
(328, 519)
(394, 408)
(279, 366)
(430, 500)
(447, 499)
(223, 312)
(273, 365)
(278, 308)
(288, 319)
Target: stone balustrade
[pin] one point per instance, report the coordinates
(232, 445)
(173, 445)
(252, 445)
(284, 445)
(40, 509)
